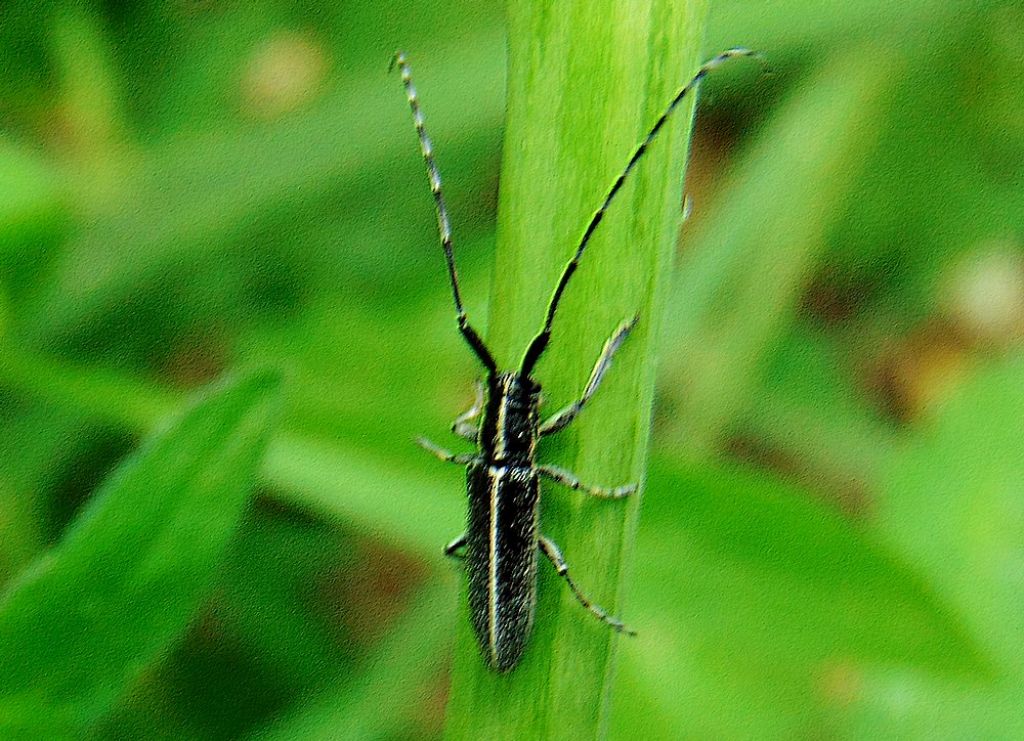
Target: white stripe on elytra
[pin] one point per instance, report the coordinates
(497, 477)
(499, 429)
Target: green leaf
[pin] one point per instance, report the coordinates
(952, 504)
(401, 669)
(747, 268)
(753, 598)
(190, 196)
(894, 703)
(586, 82)
(33, 204)
(83, 622)
(819, 25)
(99, 393)
(424, 499)
(419, 512)
(745, 521)
(810, 410)
(43, 436)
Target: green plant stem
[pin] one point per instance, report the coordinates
(586, 80)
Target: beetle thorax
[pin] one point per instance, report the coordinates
(509, 429)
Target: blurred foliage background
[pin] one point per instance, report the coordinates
(832, 541)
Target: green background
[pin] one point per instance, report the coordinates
(832, 538)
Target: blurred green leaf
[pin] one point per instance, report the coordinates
(747, 522)
(811, 412)
(788, 25)
(423, 499)
(103, 394)
(276, 566)
(895, 703)
(37, 444)
(19, 537)
(81, 624)
(752, 596)
(402, 669)
(214, 188)
(33, 204)
(382, 496)
(746, 269)
(952, 505)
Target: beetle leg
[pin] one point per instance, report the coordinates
(462, 459)
(451, 550)
(549, 549)
(461, 426)
(563, 417)
(563, 477)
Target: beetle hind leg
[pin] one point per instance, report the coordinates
(554, 555)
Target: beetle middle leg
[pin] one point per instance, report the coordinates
(549, 549)
(565, 478)
(452, 549)
(445, 455)
(563, 417)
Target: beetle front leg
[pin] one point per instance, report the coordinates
(461, 426)
(559, 420)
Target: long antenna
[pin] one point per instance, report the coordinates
(539, 343)
(443, 225)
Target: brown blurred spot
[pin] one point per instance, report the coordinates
(836, 488)
(833, 298)
(839, 683)
(983, 296)
(434, 704)
(374, 590)
(914, 373)
(197, 357)
(980, 312)
(283, 74)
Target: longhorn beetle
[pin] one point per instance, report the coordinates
(503, 478)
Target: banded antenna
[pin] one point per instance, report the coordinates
(443, 225)
(540, 342)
